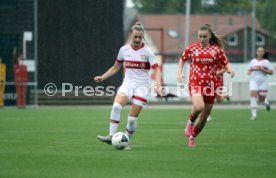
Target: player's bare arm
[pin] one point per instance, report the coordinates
(220, 71)
(180, 75)
(229, 70)
(113, 70)
(158, 83)
(266, 70)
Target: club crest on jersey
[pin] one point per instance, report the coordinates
(196, 52)
(213, 53)
(142, 57)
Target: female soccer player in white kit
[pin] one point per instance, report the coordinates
(137, 59)
(258, 85)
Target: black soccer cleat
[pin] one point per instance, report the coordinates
(107, 139)
(267, 107)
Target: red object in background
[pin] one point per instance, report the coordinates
(21, 79)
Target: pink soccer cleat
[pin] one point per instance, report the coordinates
(189, 128)
(191, 141)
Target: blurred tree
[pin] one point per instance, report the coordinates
(153, 6)
(266, 13)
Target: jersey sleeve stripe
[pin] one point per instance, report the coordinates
(263, 91)
(119, 60)
(154, 65)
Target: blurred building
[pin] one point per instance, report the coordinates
(234, 29)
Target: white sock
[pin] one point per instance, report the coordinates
(131, 126)
(266, 102)
(254, 107)
(115, 118)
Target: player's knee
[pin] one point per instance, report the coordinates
(253, 102)
(116, 110)
(261, 98)
(117, 107)
(198, 108)
(220, 100)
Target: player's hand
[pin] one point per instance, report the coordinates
(159, 90)
(98, 79)
(180, 78)
(263, 69)
(232, 73)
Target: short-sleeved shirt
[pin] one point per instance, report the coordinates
(204, 62)
(137, 63)
(255, 68)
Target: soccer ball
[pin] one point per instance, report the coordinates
(120, 140)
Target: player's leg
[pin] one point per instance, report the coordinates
(220, 93)
(266, 103)
(208, 105)
(219, 99)
(139, 100)
(262, 94)
(121, 99)
(198, 106)
(202, 119)
(253, 104)
(209, 118)
(132, 119)
(253, 99)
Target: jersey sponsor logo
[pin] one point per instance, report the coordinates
(204, 60)
(137, 65)
(142, 65)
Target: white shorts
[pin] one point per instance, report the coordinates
(137, 93)
(261, 86)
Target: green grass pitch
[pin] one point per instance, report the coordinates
(61, 143)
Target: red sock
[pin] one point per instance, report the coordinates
(199, 126)
(192, 118)
(196, 131)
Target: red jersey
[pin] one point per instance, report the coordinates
(204, 62)
(220, 76)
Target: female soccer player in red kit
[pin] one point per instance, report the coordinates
(205, 56)
(137, 59)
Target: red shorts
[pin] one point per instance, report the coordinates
(208, 91)
(219, 84)
(220, 87)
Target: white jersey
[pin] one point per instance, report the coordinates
(137, 63)
(255, 66)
